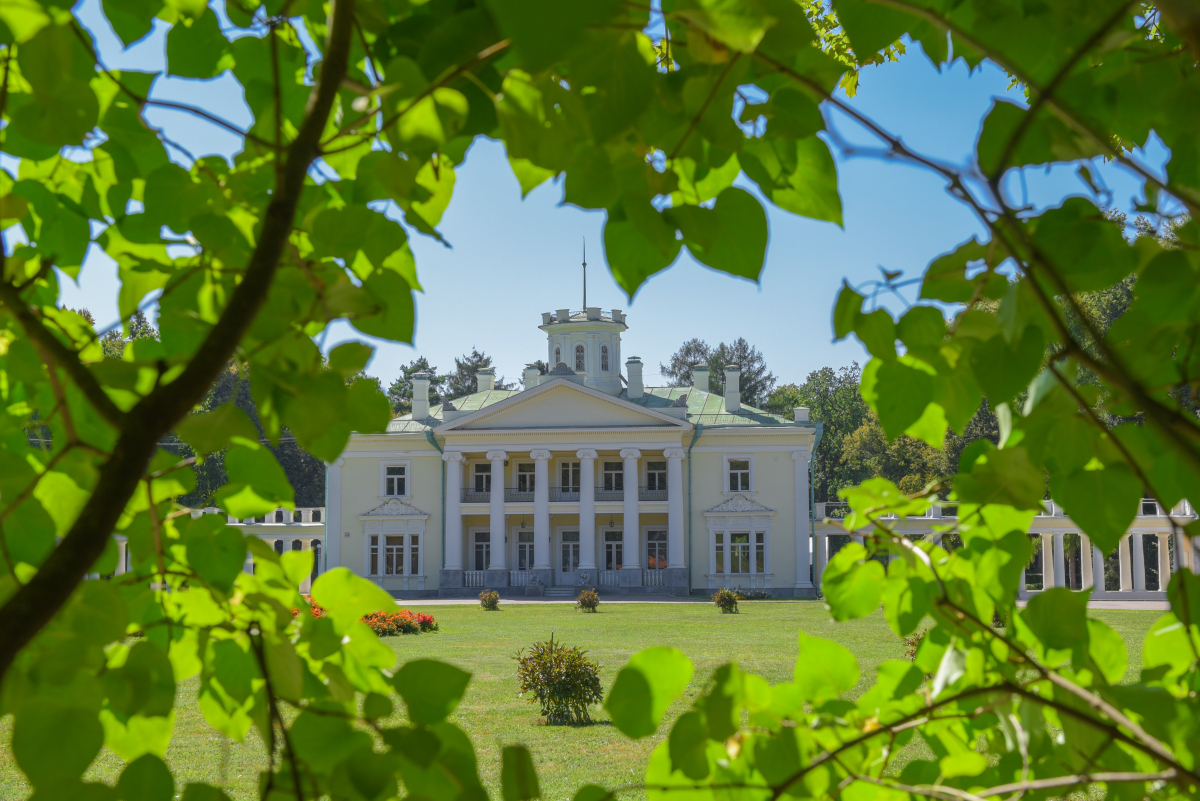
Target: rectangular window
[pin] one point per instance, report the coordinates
(483, 550)
(656, 476)
(524, 550)
(656, 550)
(739, 475)
(570, 551)
(483, 478)
(739, 553)
(614, 475)
(612, 550)
(570, 476)
(373, 553)
(393, 556)
(395, 479)
(414, 555)
(760, 553)
(525, 478)
(720, 552)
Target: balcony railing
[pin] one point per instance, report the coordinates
(609, 578)
(473, 578)
(652, 494)
(654, 578)
(564, 495)
(603, 494)
(476, 496)
(515, 495)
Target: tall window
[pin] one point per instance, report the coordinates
(395, 479)
(656, 475)
(614, 475)
(483, 550)
(656, 550)
(315, 546)
(525, 478)
(483, 478)
(739, 553)
(739, 475)
(604, 358)
(570, 551)
(524, 550)
(393, 556)
(760, 552)
(373, 555)
(612, 550)
(570, 477)
(720, 551)
(557, 357)
(580, 366)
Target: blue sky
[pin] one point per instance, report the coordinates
(511, 259)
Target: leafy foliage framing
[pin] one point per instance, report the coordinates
(383, 100)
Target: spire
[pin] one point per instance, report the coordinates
(585, 274)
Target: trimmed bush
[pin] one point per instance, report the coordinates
(385, 624)
(726, 601)
(489, 600)
(587, 601)
(563, 680)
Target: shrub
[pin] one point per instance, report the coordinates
(726, 601)
(386, 624)
(754, 595)
(563, 680)
(489, 600)
(587, 601)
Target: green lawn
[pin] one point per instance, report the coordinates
(762, 639)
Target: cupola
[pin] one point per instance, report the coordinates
(588, 343)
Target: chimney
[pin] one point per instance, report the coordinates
(700, 377)
(801, 414)
(733, 391)
(617, 317)
(593, 312)
(564, 315)
(485, 379)
(420, 400)
(633, 369)
(547, 318)
(531, 376)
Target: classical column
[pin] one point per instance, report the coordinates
(333, 513)
(1085, 562)
(122, 549)
(819, 560)
(675, 554)
(1137, 561)
(541, 509)
(1164, 562)
(803, 542)
(496, 510)
(1097, 570)
(587, 510)
(454, 529)
(630, 538)
(1048, 578)
(1060, 561)
(1123, 555)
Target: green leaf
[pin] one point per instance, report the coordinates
(638, 243)
(203, 792)
(54, 743)
(922, 329)
(209, 432)
(1003, 369)
(347, 597)
(529, 175)
(791, 114)
(905, 599)
(1100, 499)
(1085, 248)
(688, 746)
(846, 311)
(797, 175)
(852, 584)
(146, 779)
(518, 777)
(1183, 592)
(999, 476)
(898, 391)
(543, 31)
(431, 690)
(894, 680)
(871, 28)
(1058, 617)
(197, 50)
(1107, 649)
(740, 24)
(824, 669)
(731, 237)
(877, 331)
(257, 484)
(645, 687)
(132, 19)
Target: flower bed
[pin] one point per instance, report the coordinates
(387, 624)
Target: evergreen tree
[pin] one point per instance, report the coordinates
(756, 381)
(400, 391)
(463, 380)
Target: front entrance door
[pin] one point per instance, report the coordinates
(568, 559)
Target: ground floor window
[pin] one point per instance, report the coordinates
(390, 556)
(740, 552)
(483, 550)
(315, 546)
(570, 551)
(656, 550)
(612, 550)
(524, 550)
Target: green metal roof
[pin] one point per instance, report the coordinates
(706, 408)
(702, 407)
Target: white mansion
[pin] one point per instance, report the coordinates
(584, 478)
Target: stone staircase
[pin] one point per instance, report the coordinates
(561, 592)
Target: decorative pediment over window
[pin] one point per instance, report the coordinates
(739, 504)
(395, 508)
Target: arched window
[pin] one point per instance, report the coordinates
(604, 357)
(579, 364)
(557, 357)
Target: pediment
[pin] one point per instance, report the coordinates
(740, 505)
(563, 404)
(394, 507)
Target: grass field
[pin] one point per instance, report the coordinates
(762, 639)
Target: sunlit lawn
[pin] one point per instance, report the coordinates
(762, 639)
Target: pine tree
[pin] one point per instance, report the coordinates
(400, 391)
(463, 380)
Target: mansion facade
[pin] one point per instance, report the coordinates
(585, 478)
